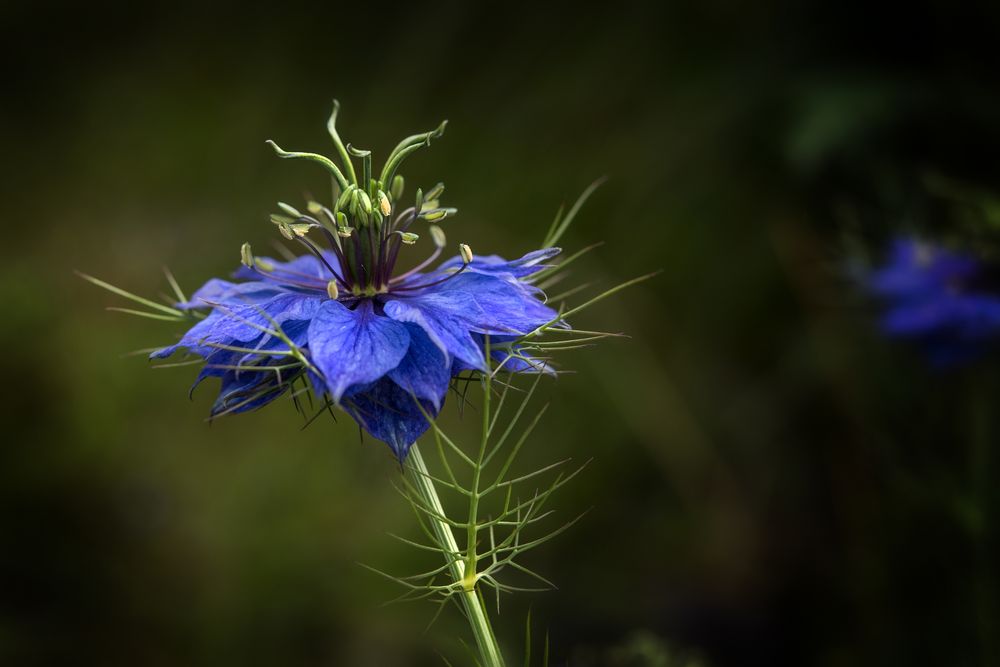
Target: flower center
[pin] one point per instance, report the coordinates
(362, 231)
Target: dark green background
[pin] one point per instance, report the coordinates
(772, 482)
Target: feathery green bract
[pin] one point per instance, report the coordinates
(560, 224)
(487, 554)
(157, 311)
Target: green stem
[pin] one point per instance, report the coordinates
(472, 602)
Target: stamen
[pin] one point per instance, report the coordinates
(419, 267)
(434, 194)
(319, 255)
(335, 248)
(383, 203)
(340, 257)
(298, 226)
(393, 244)
(436, 214)
(316, 209)
(410, 288)
(410, 212)
(289, 209)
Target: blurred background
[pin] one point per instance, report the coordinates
(773, 482)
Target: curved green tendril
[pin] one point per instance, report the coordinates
(331, 127)
(313, 157)
(407, 146)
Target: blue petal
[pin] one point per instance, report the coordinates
(488, 304)
(961, 316)
(916, 319)
(357, 346)
(470, 302)
(218, 362)
(297, 331)
(501, 307)
(238, 324)
(449, 333)
(246, 390)
(915, 268)
(508, 358)
(223, 291)
(390, 414)
(214, 366)
(424, 371)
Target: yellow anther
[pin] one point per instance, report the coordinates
(466, 253)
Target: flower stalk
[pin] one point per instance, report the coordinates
(472, 600)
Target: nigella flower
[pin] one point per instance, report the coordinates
(938, 297)
(340, 321)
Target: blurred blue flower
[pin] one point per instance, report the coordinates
(370, 354)
(937, 297)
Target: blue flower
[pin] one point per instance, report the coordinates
(937, 297)
(340, 322)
